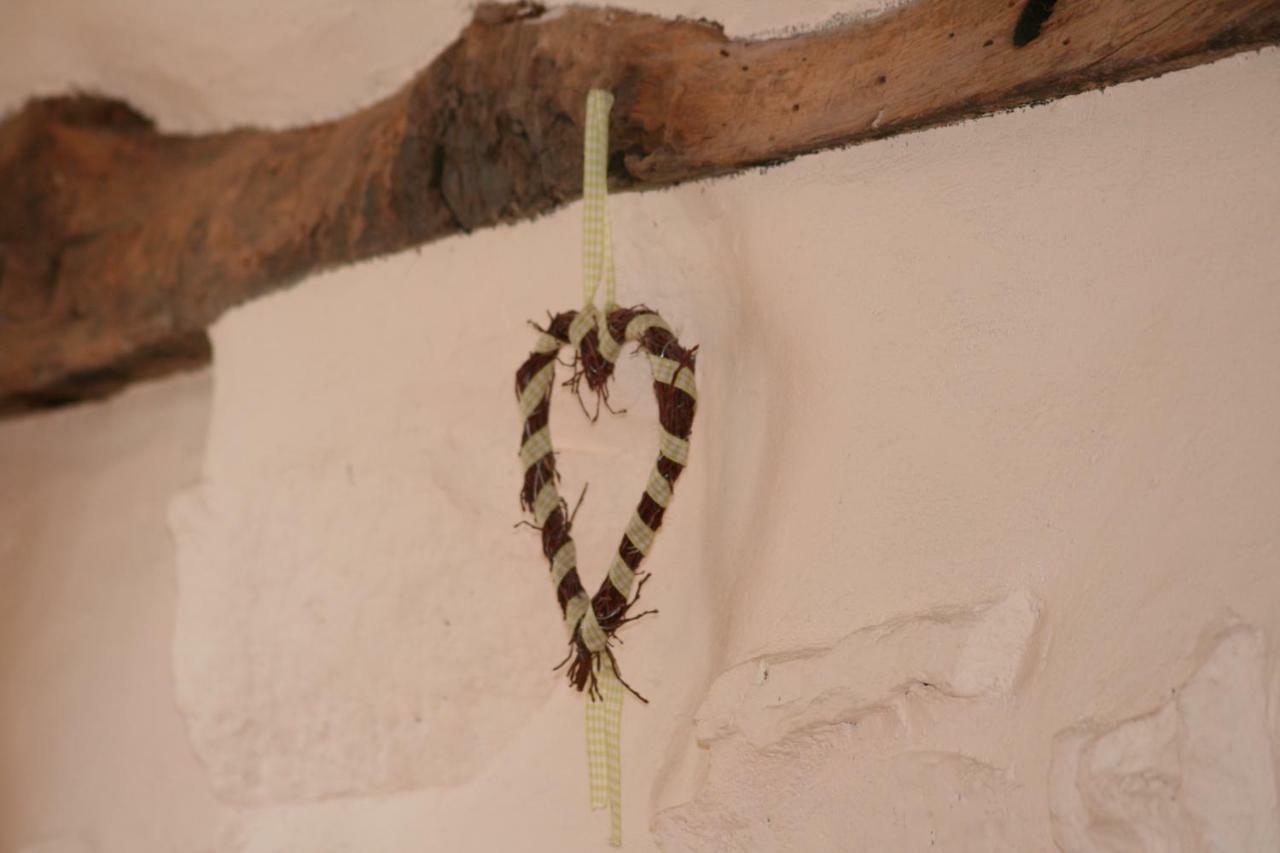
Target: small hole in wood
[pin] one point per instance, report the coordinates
(882, 79)
(1066, 41)
(1033, 18)
(618, 163)
(795, 108)
(724, 52)
(744, 68)
(988, 43)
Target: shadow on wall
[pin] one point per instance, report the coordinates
(89, 734)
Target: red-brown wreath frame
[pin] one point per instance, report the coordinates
(593, 621)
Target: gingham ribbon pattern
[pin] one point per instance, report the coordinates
(597, 242)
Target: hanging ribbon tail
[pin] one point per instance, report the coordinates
(604, 747)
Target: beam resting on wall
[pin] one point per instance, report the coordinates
(120, 244)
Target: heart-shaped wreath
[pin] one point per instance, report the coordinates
(597, 339)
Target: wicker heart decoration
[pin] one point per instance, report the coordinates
(597, 338)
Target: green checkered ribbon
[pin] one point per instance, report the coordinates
(597, 241)
(604, 715)
(604, 739)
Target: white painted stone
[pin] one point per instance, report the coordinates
(994, 647)
(831, 749)
(960, 651)
(1196, 774)
(336, 633)
(821, 794)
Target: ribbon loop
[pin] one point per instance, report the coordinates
(597, 239)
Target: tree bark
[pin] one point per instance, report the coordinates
(120, 244)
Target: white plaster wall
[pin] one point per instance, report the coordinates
(93, 752)
(977, 550)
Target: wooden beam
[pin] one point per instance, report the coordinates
(120, 244)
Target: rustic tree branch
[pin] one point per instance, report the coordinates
(119, 244)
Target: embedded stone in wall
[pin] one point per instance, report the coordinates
(958, 651)
(330, 641)
(1197, 773)
(833, 748)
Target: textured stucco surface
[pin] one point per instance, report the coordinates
(977, 548)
